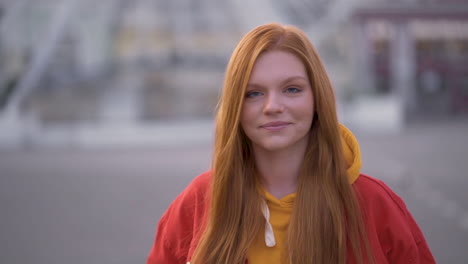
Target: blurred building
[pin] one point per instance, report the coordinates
(117, 63)
(416, 51)
(132, 60)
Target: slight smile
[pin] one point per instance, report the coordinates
(275, 126)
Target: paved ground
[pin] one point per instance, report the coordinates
(101, 206)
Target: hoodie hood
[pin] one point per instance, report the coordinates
(351, 152)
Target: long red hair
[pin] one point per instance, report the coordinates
(326, 218)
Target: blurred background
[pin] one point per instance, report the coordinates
(106, 112)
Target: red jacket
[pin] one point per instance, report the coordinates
(393, 234)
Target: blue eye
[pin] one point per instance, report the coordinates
(252, 94)
(292, 90)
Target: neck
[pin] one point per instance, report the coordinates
(279, 170)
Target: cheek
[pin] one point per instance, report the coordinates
(311, 108)
(312, 113)
(247, 114)
(305, 110)
(244, 119)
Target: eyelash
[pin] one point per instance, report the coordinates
(251, 94)
(291, 90)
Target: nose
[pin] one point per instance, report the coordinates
(273, 104)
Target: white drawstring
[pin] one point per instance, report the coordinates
(269, 235)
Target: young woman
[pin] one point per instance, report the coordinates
(285, 185)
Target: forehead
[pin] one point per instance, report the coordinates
(277, 64)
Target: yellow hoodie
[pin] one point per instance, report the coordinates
(267, 247)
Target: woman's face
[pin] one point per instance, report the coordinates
(278, 108)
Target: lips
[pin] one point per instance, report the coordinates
(274, 126)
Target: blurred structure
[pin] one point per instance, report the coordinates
(413, 55)
(82, 72)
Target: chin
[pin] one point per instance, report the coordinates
(273, 146)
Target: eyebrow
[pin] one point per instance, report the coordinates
(289, 79)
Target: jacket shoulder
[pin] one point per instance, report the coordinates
(390, 226)
(202, 181)
(374, 191)
(191, 200)
(380, 204)
(179, 227)
(199, 185)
